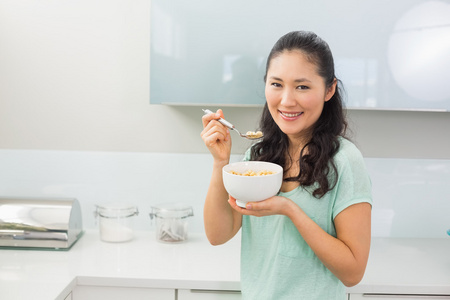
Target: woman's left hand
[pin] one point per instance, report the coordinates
(275, 205)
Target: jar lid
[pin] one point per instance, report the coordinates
(172, 210)
(114, 210)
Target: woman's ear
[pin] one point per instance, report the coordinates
(331, 90)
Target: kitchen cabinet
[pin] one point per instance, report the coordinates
(396, 297)
(120, 293)
(201, 56)
(208, 295)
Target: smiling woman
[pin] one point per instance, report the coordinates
(315, 232)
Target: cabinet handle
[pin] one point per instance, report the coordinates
(408, 296)
(215, 291)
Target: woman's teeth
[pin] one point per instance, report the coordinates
(291, 115)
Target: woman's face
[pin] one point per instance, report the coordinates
(295, 93)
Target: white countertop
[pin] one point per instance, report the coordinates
(395, 266)
(407, 266)
(142, 262)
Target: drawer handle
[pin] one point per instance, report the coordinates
(408, 296)
(215, 291)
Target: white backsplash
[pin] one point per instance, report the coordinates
(411, 196)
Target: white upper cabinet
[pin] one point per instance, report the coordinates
(389, 54)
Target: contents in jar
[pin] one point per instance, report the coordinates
(254, 135)
(112, 230)
(252, 173)
(172, 230)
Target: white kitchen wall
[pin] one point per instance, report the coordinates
(75, 75)
(411, 196)
(75, 120)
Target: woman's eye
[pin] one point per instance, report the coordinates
(276, 84)
(302, 87)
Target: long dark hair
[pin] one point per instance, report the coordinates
(316, 157)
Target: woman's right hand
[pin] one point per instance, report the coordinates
(216, 136)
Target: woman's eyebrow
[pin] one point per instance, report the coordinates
(296, 80)
(275, 78)
(302, 80)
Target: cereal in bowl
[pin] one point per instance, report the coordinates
(252, 173)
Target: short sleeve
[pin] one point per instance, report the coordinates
(353, 185)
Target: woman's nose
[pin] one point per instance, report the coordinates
(288, 98)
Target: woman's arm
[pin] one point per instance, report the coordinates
(221, 221)
(345, 255)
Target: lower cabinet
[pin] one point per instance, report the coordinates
(396, 297)
(208, 295)
(84, 292)
(88, 292)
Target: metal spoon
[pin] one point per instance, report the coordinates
(249, 135)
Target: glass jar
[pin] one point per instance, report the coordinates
(171, 221)
(116, 221)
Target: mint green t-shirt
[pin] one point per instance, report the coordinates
(276, 263)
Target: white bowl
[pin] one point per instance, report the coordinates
(252, 188)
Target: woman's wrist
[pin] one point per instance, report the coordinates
(220, 163)
(291, 209)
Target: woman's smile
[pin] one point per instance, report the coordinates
(290, 116)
